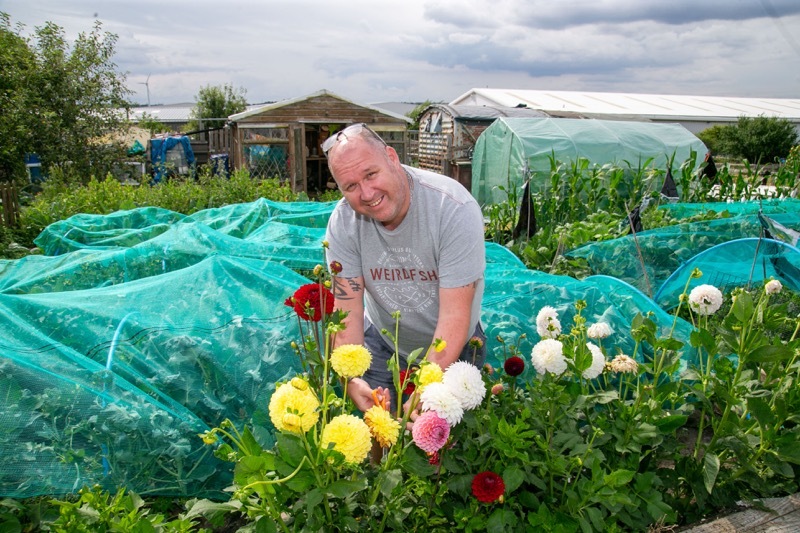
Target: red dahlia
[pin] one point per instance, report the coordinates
(514, 366)
(306, 302)
(487, 487)
(405, 380)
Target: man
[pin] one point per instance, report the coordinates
(406, 240)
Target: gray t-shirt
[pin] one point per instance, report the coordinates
(440, 243)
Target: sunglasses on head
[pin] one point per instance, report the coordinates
(353, 130)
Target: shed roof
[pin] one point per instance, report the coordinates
(269, 107)
(486, 112)
(651, 106)
(171, 112)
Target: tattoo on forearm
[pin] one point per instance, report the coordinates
(340, 290)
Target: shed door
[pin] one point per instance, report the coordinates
(298, 157)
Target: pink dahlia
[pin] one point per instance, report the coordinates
(430, 431)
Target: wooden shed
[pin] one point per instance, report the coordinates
(284, 139)
(447, 136)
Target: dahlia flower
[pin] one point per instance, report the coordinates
(547, 324)
(349, 435)
(464, 381)
(773, 286)
(598, 362)
(430, 431)
(437, 397)
(308, 299)
(488, 487)
(497, 388)
(382, 425)
(514, 366)
(705, 299)
(297, 399)
(547, 356)
(600, 330)
(622, 364)
(406, 384)
(429, 373)
(350, 360)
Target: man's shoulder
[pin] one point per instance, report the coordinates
(441, 184)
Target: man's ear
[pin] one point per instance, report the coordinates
(391, 153)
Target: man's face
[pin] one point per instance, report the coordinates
(371, 179)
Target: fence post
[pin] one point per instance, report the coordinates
(10, 201)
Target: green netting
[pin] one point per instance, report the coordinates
(739, 263)
(753, 207)
(143, 328)
(728, 251)
(647, 259)
(512, 149)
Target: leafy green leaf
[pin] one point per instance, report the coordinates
(710, 471)
(513, 476)
(618, 478)
(770, 354)
(762, 411)
(670, 423)
(344, 487)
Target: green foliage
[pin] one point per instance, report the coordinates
(17, 61)
(712, 136)
(759, 139)
(63, 101)
(214, 104)
(153, 125)
(416, 113)
(61, 198)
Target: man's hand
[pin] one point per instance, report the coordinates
(361, 394)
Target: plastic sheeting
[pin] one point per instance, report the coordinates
(510, 147)
(143, 328)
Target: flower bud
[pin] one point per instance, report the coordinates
(299, 383)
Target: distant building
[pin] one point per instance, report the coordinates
(447, 136)
(695, 113)
(284, 140)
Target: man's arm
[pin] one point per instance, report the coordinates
(452, 326)
(349, 297)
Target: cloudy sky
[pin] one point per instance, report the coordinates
(373, 51)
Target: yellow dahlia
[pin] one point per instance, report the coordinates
(429, 373)
(351, 360)
(349, 435)
(293, 407)
(383, 426)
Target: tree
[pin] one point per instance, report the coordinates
(16, 63)
(214, 104)
(758, 139)
(64, 101)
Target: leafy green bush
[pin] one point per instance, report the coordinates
(758, 140)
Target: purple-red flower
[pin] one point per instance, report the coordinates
(307, 302)
(405, 381)
(514, 366)
(336, 267)
(430, 431)
(488, 487)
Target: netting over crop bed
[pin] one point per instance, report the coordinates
(140, 329)
(732, 251)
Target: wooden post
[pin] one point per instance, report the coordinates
(10, 200)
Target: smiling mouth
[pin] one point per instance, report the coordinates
(376, 202)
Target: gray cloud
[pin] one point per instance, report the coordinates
(371, 51)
